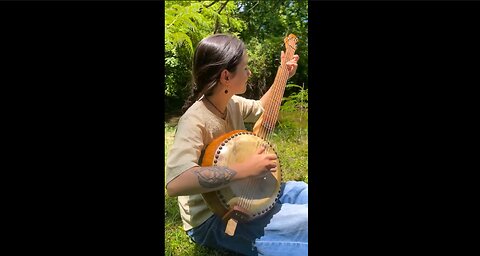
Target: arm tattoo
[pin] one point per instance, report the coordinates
(214, 176)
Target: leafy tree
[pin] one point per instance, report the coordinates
(267, 24)
(186, 23)
(262, 25)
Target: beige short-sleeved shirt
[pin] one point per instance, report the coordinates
(195, 130)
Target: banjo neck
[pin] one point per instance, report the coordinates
(267, 121)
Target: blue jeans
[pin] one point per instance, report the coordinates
(282, 231)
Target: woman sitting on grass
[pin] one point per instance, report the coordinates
(220, 71)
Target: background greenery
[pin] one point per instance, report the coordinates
(262, 25)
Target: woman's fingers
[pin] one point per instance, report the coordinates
(261, 149)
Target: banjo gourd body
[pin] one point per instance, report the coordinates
(255, 195)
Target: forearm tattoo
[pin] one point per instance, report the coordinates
(214, 176)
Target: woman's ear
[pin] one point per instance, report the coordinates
(225, 76)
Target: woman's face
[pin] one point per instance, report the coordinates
(238, 79)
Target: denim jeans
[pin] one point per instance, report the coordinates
(282, 231)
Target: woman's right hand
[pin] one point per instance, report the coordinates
(258, 165)
(205, 179)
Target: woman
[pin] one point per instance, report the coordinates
(220, 71)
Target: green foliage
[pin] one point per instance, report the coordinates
(292, 147)
(262, 25)
(268, 23)
(186, 23)
(291, 137)
(297, 101)
(260, 55)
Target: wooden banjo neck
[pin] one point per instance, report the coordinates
(266, 123)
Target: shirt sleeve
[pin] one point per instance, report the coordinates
(251, 109)
(186, 149)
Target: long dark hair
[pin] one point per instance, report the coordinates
(212, 55)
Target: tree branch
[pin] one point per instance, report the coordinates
(214, 2)
(253, 6)
(223, 6)
(217, 23)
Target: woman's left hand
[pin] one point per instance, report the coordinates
(291, 64)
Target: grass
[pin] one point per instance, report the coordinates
(291, 143)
